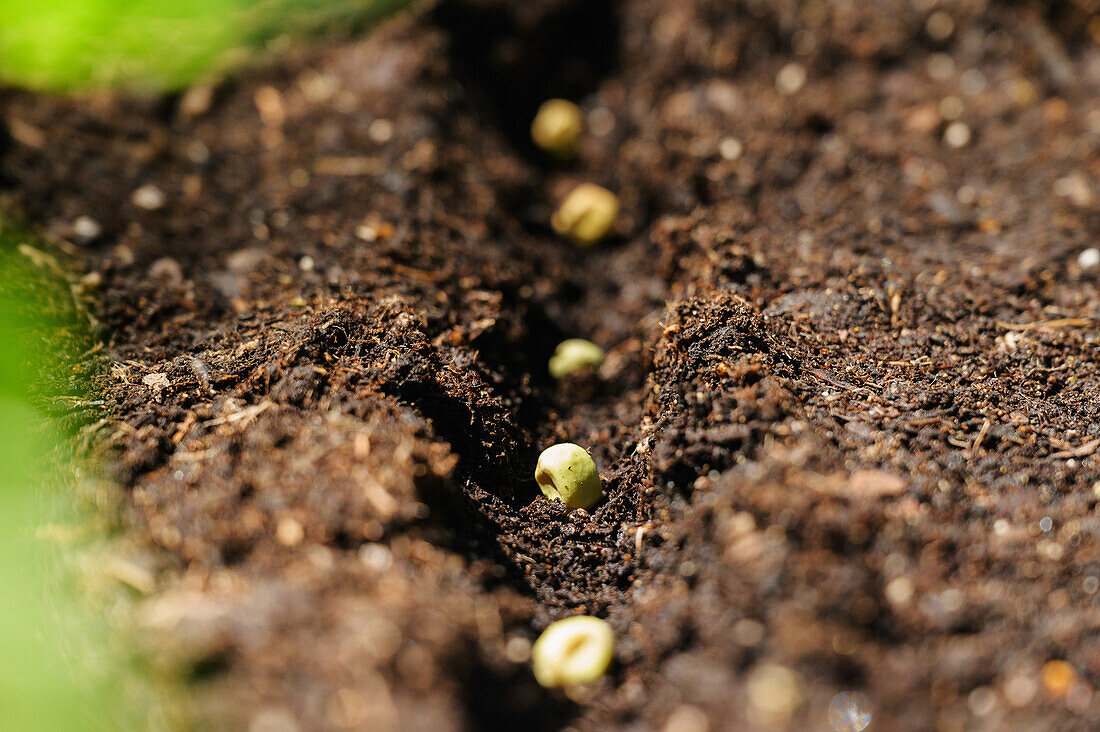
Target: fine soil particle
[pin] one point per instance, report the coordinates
(847, 424)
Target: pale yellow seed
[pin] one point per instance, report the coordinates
(572, 651)
(575, 355)
(557, 127)
(587, 214)
(567, 473)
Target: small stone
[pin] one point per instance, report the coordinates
(87, 228)
(517, 649)
(982, 701)
(1075, 187)
(289, 532)
(730, 148)
(157, 382)
(148, 197)
(957, 134)
(1020, 689)
(380, 131)
(899, 591)
(166, 271)
(196, 101)
(790, 78)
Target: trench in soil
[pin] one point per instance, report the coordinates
(507, 71)
(616, 294)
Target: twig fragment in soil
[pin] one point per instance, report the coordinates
(76, 401)
(202, 373)
(347, 167)
(1056, 323)
(833, 381)
(639, 539)
(246, 415)
(980, 437)
(1083, 450)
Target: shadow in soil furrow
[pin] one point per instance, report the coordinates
(511, 700)
(512, 57)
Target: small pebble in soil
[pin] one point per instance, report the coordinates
(166, 271)
(572, 651)
(557, 127)
(87, 228)
(1075, 187)
(380, 131)
(573, 356)
(587, 214)
(148, 197)
(982, 701)
(790, 78)
(730, 148)
(957, 134)
(567, 473)
(1020, 689)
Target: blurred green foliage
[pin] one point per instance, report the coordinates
(63, 668)
(153, 45)
(59, 670)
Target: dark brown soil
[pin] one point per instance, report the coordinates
(847, 424)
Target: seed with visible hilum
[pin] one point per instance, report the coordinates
(587, 214)
(567, 473)
(575, 650)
